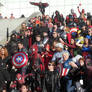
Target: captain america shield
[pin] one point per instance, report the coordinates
(59, 69)
(20, 59)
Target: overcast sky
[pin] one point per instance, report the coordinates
(19, 7)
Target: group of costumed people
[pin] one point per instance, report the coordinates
(49, 54)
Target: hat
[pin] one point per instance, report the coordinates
(59, 45)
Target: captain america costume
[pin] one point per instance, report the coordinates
(66, 67)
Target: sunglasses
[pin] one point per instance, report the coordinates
(50, 65)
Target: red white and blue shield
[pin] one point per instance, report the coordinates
(20, 59)
(59, 69)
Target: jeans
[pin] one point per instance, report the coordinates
(69, 86)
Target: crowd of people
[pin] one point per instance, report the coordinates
(59, 52)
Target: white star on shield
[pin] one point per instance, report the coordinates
(19, 59)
